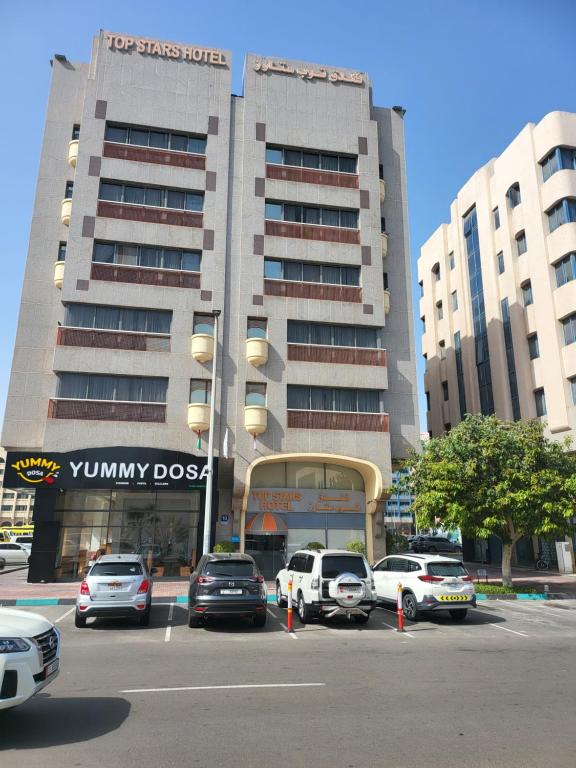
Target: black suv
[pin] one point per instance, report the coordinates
(227, 585)
(434, 544)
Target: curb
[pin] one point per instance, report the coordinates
(527, 596)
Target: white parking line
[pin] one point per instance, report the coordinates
(498, 626)
(64, 615)
(395, 629)
(169, 626)
(284, 627)
(224, 687)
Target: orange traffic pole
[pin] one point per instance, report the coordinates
(290, 616)
(400, 610)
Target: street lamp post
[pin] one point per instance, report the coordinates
(210, 465)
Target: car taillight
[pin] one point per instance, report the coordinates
(204, 579)
(84, 588)
(143, 588)
(466, 578)
(431, 578)
(259, 579)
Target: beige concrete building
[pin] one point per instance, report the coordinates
(498, 288)
(16, 505)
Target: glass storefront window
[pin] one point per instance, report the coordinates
(304, 475)
(297, 474)
(84, 500)
(269, 476)
(299, 537)
(343, 478)
(339, 539)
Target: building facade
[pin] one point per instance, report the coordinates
(498, 288)
(170, 211)
(16, 506)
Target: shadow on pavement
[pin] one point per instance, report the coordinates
(475, 617)
(48, 721)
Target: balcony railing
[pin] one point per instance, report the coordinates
(312, 232)
(295, 290)
(312, 176)
(311, 353)
(121, 273)
(346, 422)
(92, 337)
(106, 410)
(148, 213)
(152, 155)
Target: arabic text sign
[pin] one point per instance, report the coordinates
(332, 75)
(305, 500)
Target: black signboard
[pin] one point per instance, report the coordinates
(106, 468)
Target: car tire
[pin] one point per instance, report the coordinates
(280, 599)
(144, 619)
(409, 606)
(2, 563)
(432, 550)
(304, 613)
(260, 620)
(79, 621)
(194, 621)
(360, 618)
(459, 614)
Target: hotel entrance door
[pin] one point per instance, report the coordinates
(269, 551)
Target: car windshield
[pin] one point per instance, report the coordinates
(334, 565)
(237, 569)
(446, 569)
(116, 569)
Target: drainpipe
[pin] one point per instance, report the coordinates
(210, 465)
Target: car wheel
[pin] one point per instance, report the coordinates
(79, 621)
(194, 621)
(459, 614)
(432, 550)
(303, 609)
(409, 606)
(361, 618)
(144, 620)
(260, 620)
(280, 599)
(2, 563)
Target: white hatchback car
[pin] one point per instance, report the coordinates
(429, 583)
(13, 554)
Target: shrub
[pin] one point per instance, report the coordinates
(395, 542)
(224, 546)
(356, 546)
(498, 589)
(315, 545)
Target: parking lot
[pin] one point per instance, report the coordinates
(496, 690)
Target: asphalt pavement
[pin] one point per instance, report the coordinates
(496, 691)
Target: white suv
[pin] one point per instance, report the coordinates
(429, 583)
(328, 583)
(29, 655)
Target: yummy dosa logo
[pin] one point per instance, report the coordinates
(37, 470)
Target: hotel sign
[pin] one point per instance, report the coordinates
(165, 50)
(305, 500)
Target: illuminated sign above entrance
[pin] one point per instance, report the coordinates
(165, 49)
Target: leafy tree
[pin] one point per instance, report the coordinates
(356, 546)
(225, 546)
(489, 476)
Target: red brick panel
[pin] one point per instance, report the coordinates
(312, 176)
(167, 278)
(147, 213)
(152, 155)
(347, 422)
(313, 232)
(89, 337)
(294, 290)
(349, 355)
(106, 411)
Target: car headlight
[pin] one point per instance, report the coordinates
(13, 645)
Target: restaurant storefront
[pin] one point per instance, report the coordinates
(112, 500)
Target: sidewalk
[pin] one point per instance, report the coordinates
(523, 577)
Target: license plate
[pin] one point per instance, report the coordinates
(454, 598)
(114, 587)
(51, 668)
(230, 591)
(353, 588)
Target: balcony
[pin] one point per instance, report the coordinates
(293, 289)
(382, 190)
(152, 155)
(346, 422)
(311, 353)
(167, 278)
(312, 176)
(386, 302)
(255, 419)
(59, 273)
(73, 153)
(66, 211)
(312, 232)
(257, 351)
(106, 410)
(148, 213)
(102, 339)
(199, 417)
(384, 244)
(202, 347)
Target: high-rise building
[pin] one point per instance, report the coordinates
(498, 288)
(170, 211)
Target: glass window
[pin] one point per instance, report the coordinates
(194, 201)
(197, 145)
(127, 254)
(116, 569)
(496, 218)
(329, 162)
(533, 346)
(436, 272)
(273, 269)
(154, 196)
(292, 157)
(200, 390)
(117, 134)
(138, 136)
(454, 300)
(159, 139)
(274, 155)
(312, 160)
(349, 219)
(272, 475)
(310, 215)
(203, 324)
(234, 569)
(343, 478)
(513, 195)
(293, 270)
(292, 212)
(304, 475)
(521, 245)
(311, 273)
(339, 538)
(104, 252)
(500, 259)
(445, 393)
(450, 568)
(175, 199)
(255, 393)
(540, 401)
(334, 565)
(256, 328)
(569, 327)
(527, 297)
(573, 388)
(134, 195)
(451, 260)
(62, 252)
(191, 261)
(274, 211)
(565, 270)
(439, 310)
(331, 274)
(178, 142)
(347, 164)
(442, 349)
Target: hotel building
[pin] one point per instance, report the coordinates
(175, 221)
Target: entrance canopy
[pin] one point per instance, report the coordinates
(266, 523)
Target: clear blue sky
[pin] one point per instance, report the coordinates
(470, 73)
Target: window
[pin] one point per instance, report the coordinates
(436, 272)
(333, 335)
(565, 269)
(149, 137)
(513, 195)
(117, 318)
(82, 386)
(562, 213)
(442, 349)
(460, 374)
(255, 393)
(307, 272)
(304, 398)
(496, 218)
(62, 251)
(203, 324)
(569, 327)
(533, 346)
(427, 400)
(559, 159)
(147, 256)
(306, 214)
(527, 297)
(385, 279)
(510, 361)
(454, 300)
(573, 389)
(75, 132)
(382, 225)
(451, 260)
(439, 310)
(500, 260)
(200, 391)
(423, 321)
(421, 286)
(257, 328)
(310, 159)
(445, 394)
(179, 199)
(540, 401)
(521, 245)
(69, 191)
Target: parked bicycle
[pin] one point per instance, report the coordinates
(542, 564)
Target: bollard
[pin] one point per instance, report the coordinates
(400, 609)
(290, 614)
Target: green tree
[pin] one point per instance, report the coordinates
(489, 476)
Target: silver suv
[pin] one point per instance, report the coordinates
(116, 585)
